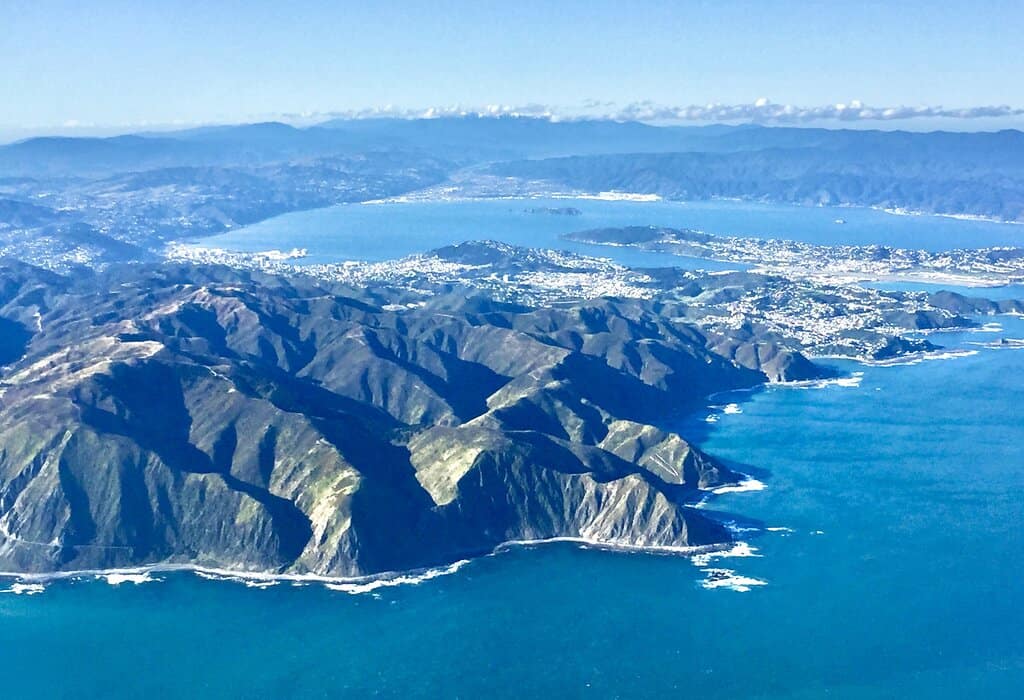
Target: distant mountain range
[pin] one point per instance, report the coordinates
(979, 174)
(464, 140)
(913, 176)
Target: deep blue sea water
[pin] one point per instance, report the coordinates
(899, 575)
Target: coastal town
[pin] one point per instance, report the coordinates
(811, 314)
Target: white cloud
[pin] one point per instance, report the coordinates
(765, 111)
(762, 111)
(436, 112)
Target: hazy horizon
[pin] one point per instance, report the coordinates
(9, 135)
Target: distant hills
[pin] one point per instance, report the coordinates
(973, 178)
(978, 174)
(466, 140)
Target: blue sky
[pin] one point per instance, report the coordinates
(109, 62)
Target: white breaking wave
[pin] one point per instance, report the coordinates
(729, 579)
(401, 580)
(748, 484)
(35, 583)
(732, 408)
(116, 579)
(25, 588)
(738, 550)
(250, 581)
(209, 576)
(737, 529)
(247, 581)
(260, 584)
(852, 381)
(745, 485)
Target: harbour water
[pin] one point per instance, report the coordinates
(396, 229)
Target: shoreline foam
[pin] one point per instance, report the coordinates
(36, 582)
